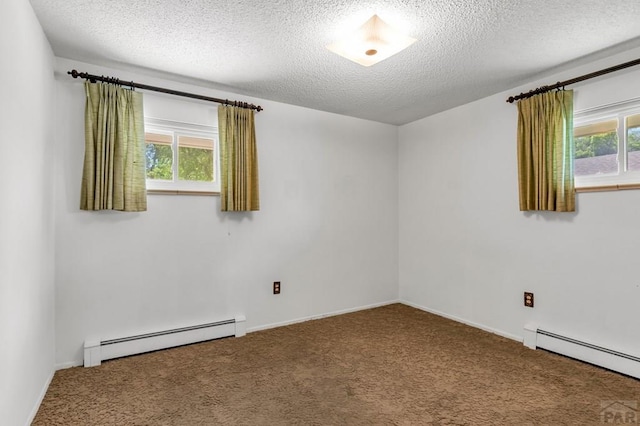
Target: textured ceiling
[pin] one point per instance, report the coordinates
(466, 49)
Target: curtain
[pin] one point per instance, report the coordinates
(546, 151)
(238, 159)
(114, 171)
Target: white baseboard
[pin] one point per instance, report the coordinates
(80, 363)
(97, 350)
(43, 392)
(70, 364)
(320, 316)
(464, 321)
(608, 358)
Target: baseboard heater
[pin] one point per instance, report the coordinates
(96, 350)
(583, 351)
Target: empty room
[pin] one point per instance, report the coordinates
(319, 213)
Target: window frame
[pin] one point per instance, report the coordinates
(176, 129)
(614, 111)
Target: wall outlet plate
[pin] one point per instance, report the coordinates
(276, 287)
(528, 299)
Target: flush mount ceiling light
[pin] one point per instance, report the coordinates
(373, 42)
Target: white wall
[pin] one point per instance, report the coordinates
(327, 229)
(468, 252)
(26, 217)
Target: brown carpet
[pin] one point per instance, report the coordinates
(393, 365)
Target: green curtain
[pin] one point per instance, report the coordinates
(238, 159)
(114, 172)
(546, 151)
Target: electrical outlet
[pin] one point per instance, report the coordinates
(528, 299)
(276, 287)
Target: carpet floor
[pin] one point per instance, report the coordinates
(393, 365)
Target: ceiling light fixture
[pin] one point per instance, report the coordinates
(373, 42)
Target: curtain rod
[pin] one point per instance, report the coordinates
(112, 80)
(562, 84)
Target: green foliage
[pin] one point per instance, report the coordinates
(596, 145)
(633, 139)
(195, 164)
(159, 161)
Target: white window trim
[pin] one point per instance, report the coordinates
(616, 110)
(170, 127)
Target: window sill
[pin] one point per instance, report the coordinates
(602, 188)
(180, 192)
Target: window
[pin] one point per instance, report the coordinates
(607, 145)
(181, 156)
